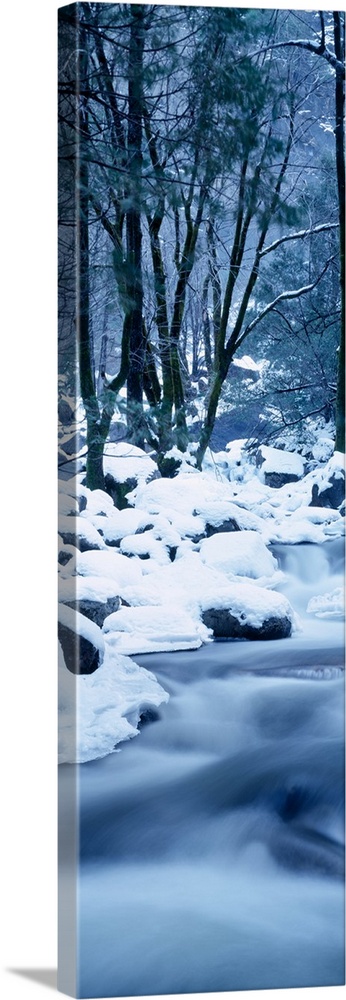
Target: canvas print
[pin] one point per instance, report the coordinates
(201, 499)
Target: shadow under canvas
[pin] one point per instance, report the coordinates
(46, 977)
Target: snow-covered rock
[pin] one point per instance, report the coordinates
(81, 640)
(80, 532)
(242, 554)
(99, 711)
(249, 612)
(145, 546)
(119, 523)
(328, 490)
(126, 466)
(203, 502)
(109, 563)
(95, 609)
(154, 629)
(124, 461)
(279, 467)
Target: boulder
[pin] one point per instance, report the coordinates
(71, 444)
(78, 531)
(331, 493)
(126, 467)
(279, 467)
(246, 611)
(81, 641)
(80, 655)
(244, 554)
(96, 611)
(278, 479)
(226, 625)
(65, 412)
(214, 529)
(117, 431)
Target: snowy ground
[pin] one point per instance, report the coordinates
(168, 557)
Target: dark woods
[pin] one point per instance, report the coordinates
(201, 206)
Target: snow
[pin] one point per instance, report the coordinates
(125, 461)
(118, 523)
(83, 528)
(241, 554)
(87, 588)
(198, 497)
(277, 460)
(197, 587)
(247, 363)
(82, 626)
(155, 556)
(100, 710)
(146, 546)
(154, 629)
(323, 449)
(330, 605)
(252, 604)
(108, 563)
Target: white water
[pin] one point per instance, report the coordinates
(211, 845)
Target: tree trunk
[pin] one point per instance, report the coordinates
(134, 232)
(166, 407)
(206, 327)
(207, 429)
(94, 469)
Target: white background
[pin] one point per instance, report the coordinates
(28, 517)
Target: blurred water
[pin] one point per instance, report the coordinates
(212, 845)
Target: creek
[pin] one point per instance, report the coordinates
(212, 845)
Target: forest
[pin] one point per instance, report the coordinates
(201, 499)
(201, 205)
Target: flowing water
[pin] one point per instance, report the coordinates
(212, 844)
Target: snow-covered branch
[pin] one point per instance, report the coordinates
(304, 43)
(301, 235)
(293, 293)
